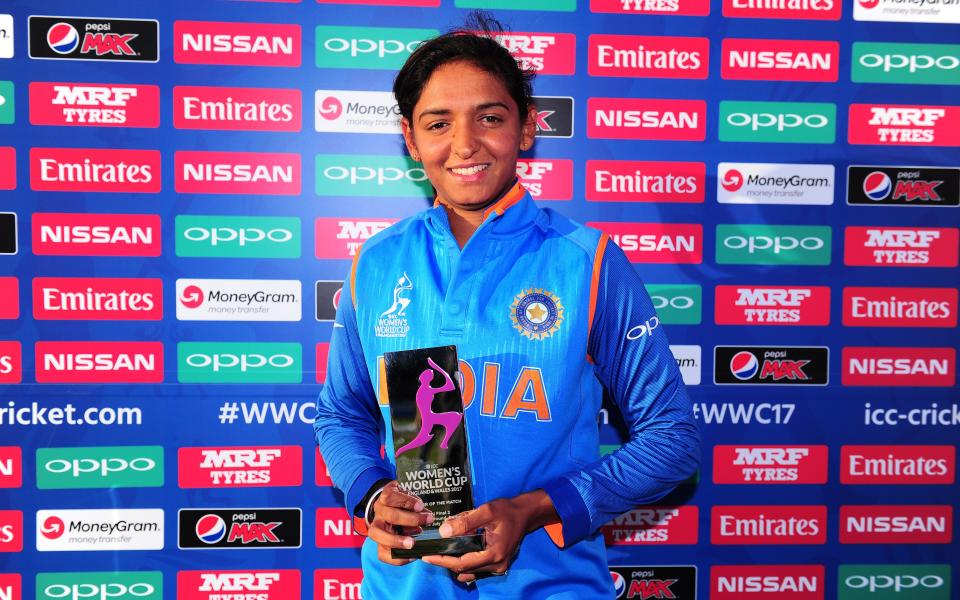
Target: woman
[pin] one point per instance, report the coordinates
(544, 313)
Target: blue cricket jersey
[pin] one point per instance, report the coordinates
(544, 312)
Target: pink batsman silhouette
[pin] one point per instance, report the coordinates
(449, 420)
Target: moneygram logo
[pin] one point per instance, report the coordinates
(688, 361)
(251, 362)
(546, 178)
(338, 237)
(898, 465)
(900, 246)
(109, 529)
(676, 304)
(542, 53)
(786, 582)
(693, 8)
(240, 466)
(879, 366)
(80, 38)
(760, 525)
(260, 173)
(94, 170)
(894, 582)
(94, 104)
(819, 10)
(750, 305)
(9, 298)
(777, 365)
(11, 460)
(11, 369)
(11, 531)
(275, 584)
(773, 245)
(8, 168)
(238, 300)
(345, 111)
(645, 181)
(649, 56)
(780, 60)
(899, 307)
(99, 467)
(6, 36)
(673, 243)
(247, 44)
(236, 109)
(213, 528)
(65, 234)
(653, 525)
(770, 464)
(367, 47)
(7, 102)
(371, 175)
(937, 64)
(336, 583)
(97, 299)
(778, 122)
(335, 529)
(99, 362)
(654, 582)
(117, 585)
(903, 186)
(904, 125)
(896, 524)
(642, 119)
(223, 236)
(908, 11)
(775, 183)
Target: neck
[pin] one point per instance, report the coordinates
(463, 223)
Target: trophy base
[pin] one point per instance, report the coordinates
(429, 543)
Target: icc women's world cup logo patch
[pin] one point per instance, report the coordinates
(536, 313)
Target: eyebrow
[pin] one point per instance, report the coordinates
(446, 111)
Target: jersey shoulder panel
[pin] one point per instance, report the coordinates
(385, 241)
(579, 235)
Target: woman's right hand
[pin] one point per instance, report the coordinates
(397, 516)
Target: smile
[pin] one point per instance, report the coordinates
(469, 170)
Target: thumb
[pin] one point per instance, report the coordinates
(461, 524)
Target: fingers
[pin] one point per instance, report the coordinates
(465, 522)
(396, 507)
(382, 533)
(383, 553)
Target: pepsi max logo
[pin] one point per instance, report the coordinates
(619, 584)
(81, 38)
(903, 186)
(239, 528)
(654, 583)
(777, 365)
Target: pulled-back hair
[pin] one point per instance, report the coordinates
(474, 43)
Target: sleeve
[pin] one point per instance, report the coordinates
(633, 361)
(348, 423)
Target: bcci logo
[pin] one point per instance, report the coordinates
(393, 321)
(536, 313)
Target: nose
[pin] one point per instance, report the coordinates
(465, 141)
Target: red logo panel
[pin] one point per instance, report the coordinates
(770, 464)
(791, 305)
(899, 307)
(676, 243)
(542, 53)
(767, 582)
(9, 298)
(8, 168)
(336, 583)
(653, 525)
(547, 178)
(645, 181)
(238, 109)
(935, 367)
(690, 8)
(647, 119)
(258, 173)
(11, 459)
(649, 56)
(276, 584)
(11, 531)
(768, 525)
(240, 466)
(907, 465)
(11, 365)
(249, 44)
(900, 246)
(335, 529)
(94, 170)
(99, 362)
(94, 104)
(97, 299)
(900, 524)
(904, 125)
(341, 237)
(10, 586)
(780, 60)
(819, 10)
(66, 234)
(323, 350)
(321, 474)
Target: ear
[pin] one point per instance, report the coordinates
(407, 131)
(528, 130)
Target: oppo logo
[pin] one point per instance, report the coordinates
(913, 63)
(645, 328)
(251, 235)
(363, 47)
(780, 121)
(104, 466)
(897, 583)
(677, 302)
(101, 591)
(243, 362)
(380, 175)
(777, 244)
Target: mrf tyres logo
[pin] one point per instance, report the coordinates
(81, 38)
(767, 305)
(240, 466)
(385, 48)
(769, 464)
(542, 53)
(903, 186)
(778, 122)
(900, 246)
(894, 582)
(92, 585)
(210, 529)
(778, 365)
(94, 104)
(238, 362)
(106, 529)
(338, 237)
(649, 583)
(653, 525)
(935, 64)
(99, 467)
(546, 178)
(904, 125)
(773, 245)
(272, 584)
(775, 183)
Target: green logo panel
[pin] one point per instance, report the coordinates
(123, 585)
(99, 467)
(221, 236)
(371, 175)
(936, 64)
(367, 47)
(677, 304)
(773, 245)
(539, 5)
(6, 103)
(230, 362)
(778, 122)
(894, 582)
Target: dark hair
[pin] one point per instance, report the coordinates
(474, 43)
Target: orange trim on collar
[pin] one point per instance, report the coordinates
(514, 195)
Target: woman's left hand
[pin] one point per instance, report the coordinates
(505, 521)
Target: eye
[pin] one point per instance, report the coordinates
(491, 119)
(436, 126)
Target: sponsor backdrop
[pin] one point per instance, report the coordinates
(183, 184)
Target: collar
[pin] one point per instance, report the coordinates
(514, 210)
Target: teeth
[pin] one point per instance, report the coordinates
(469, 170)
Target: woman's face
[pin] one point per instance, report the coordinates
(467, 132)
